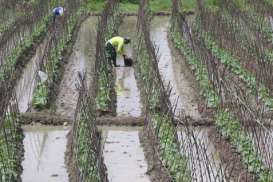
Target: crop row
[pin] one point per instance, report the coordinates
(236, 67)
(7, 70)
(44, 88)
(87, 139)
(11, 139)
(232, 129)
(256, 21)
(104, 98)
(160, 120)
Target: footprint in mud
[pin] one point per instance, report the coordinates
(54, 175)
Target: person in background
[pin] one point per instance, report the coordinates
(58, 11)
(115, 46)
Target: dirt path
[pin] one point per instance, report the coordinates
(184, 91)
(44, 154)
(80, 61)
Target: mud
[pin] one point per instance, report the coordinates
(173, 72)
(44, 154)
(204, 159)
(44, 118)
(235, 170)
(123, 155)
(156, 171)
(128, 94)
(81, 61)
(27, 82)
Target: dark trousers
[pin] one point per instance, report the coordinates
(111, 54)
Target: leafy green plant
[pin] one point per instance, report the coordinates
(10, 137)
(43, 90)
(230, 127)
(7, 70)
(200, 70)
(162, 127)
(236, 67)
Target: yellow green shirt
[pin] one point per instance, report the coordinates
(118, 43)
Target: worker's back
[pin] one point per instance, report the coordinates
(116, 41)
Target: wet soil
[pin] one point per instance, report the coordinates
(234, 168)
(173, 71)
(156, 171)
(128, 95)
(123, 155)
(44, 154)
(204, 159)
(44, 118)
(81, 61)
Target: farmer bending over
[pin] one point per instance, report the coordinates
(115, 46)
(58, 11)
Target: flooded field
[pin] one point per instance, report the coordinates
(128, 95)
(81, 62)
(183, 92)
(44, 154)
(123, 155)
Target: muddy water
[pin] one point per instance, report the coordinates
(44, 154)
(128, 94)
(183, 92)
(123, 155)
(26, 84)
(204, 160)
(80, 61)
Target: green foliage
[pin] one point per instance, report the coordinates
(10, 137)
(165, 132)
(170, 153)
(235, 66)
(7, 70)
(42, 92)
(86, 158)
(228, 125)
(230, 128)
(103, 98)
(200, 70)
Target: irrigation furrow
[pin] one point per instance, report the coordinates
(80, 62)
(28, 80)
(184, 93)
(123, 154)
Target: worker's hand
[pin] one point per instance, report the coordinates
(125, 56)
